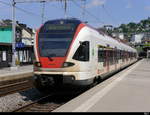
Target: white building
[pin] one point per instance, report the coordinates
(25, 46)
(118, 35)
(137, 38)
(27, 37)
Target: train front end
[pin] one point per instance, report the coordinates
(55, 63)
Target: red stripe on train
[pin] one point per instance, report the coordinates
(76, 33)
(37, 48)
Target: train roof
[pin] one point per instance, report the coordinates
(114, 43)
(107, 40)
(66, 21)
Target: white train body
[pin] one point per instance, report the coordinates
(91, 55)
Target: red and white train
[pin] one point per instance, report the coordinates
(71, 52)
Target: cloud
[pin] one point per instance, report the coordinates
(95, 3)
(147, 8)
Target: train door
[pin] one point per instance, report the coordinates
(93, 57)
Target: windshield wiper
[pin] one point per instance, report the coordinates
(50, 56)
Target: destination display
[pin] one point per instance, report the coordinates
(53, 27)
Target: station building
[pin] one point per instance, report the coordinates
(24, 45)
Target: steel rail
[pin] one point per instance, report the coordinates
(14, 86)
(37, 107)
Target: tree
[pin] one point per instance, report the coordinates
(7, 21)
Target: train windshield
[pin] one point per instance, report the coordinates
(55, 38)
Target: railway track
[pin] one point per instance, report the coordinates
(13, 86)
(50, 102)
(40, 105)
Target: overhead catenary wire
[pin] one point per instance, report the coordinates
(31, 1)
(83, 12)
(25, 11)
(106, 10)
(65, 7)
(31, 13)
(43, 1)
(34, 14)
(61, 8)
(89, 13)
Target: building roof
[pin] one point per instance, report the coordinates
(21, 26)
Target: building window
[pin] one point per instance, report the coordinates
(4, 57)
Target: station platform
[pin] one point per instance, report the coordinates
(126, 91)
(12, 74)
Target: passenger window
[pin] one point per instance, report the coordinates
(100, 55)
(105, 60)
(110, 57)
(117, 56)
(82, 53)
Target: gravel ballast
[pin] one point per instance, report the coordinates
(11, 102)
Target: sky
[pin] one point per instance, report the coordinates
(97, 12)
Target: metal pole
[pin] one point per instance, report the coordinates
(65, 8)
(13, 35)
(83, 12)
(43, 9)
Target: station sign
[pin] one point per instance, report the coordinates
(20, 45)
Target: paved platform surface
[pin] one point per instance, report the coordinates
(21, 71)
(127, 91)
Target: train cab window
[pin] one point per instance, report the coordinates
(82, 53)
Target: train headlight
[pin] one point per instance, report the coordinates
(68, 64)
(37, 64)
